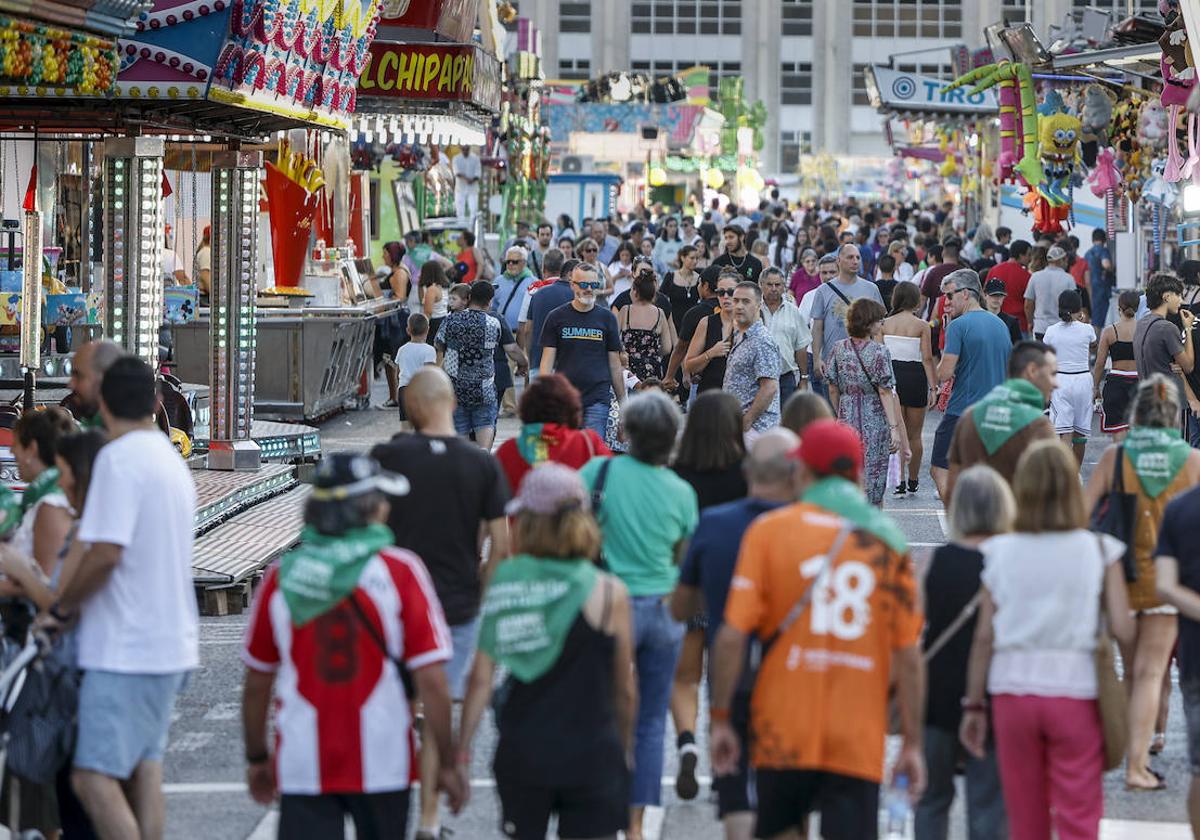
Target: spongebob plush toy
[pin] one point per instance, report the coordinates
(1059, 133)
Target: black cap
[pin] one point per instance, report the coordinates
(345, 475)
(995, 286)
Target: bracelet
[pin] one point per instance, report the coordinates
(718, 715)
(258, 758)
(975, 706)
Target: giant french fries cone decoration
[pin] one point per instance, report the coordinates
(291, 187)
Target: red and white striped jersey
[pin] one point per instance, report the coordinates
(343, 724)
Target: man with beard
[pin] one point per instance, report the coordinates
(583, 342)
(90, 363)
(737, 257)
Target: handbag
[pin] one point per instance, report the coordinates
(1115, 514)
(1111, 698)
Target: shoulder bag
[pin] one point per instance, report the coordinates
(410, 689)
(1115, 514)
(1111, 697)
(598, 500)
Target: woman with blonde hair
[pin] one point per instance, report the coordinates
(1156, 465)
(1046, 588)
(563, 630)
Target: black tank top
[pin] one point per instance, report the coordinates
(713, 375)
(1121, 351)
(561, 729)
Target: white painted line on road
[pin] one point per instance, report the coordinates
(190, 741)
(186, 788)
(1130, 829)
(224, 711)
(942, 522)
(266, 828)
(925, 545)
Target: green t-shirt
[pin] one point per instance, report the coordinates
(645, 512)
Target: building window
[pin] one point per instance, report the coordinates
(859, 85)
(792, 145)
(574, 17)
(907, 18)
(685, 17)
(795, 83)
(574, 69)
(1119, 7)
(797, 17)
(937, 71)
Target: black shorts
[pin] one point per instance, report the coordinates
(912, 385)
(942, 438)
(597, 810)
(735, 791)
(375, 815)
(849, 807)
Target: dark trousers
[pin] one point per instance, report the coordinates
(787, 387)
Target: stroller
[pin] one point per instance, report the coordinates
(20, 709)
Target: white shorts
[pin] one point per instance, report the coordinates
(1071, 404)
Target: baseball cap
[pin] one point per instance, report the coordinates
(1056, 253)
(995, 286)
(830, 447)
(549, 488)
(345, 475)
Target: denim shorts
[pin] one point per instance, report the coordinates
(942, 438)
(463, 637)
(469, 419)
(123, 720)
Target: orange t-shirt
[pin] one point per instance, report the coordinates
(820, 702)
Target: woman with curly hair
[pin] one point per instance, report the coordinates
(551, 416)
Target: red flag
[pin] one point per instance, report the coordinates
(166, 186)
(30, 202)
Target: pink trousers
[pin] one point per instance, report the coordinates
(1051, 755)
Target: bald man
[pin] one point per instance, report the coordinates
(457, 496)
(88, 366)
(704, 581)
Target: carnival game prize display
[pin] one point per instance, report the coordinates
(292, 186)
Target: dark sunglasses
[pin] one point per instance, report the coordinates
(513, 262)
(590, 285)
(587, 250)
(725, 292)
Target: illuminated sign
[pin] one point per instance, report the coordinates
(437, 72)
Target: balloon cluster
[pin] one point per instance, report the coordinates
(38, 55)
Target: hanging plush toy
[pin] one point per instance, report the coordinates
(1018, 127)
(1095, 114)
(1058, 133)
(1152, 125)
(1106, 182)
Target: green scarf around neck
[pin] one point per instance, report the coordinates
(1157, 456)
(846, 499)
(1007, 409)
(316, 575)
(45, 484)
(529, 609)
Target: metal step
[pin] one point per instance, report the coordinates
(247, 542)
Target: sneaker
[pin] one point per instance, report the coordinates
(686, 784)
(912, 486)
(899, 491)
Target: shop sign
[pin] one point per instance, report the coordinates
(894, 90)
(435, 72)
(450, 19)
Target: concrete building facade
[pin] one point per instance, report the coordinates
(803, 58)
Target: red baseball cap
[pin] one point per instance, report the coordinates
(829, 447)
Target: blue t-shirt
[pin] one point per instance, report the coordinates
(982, 344)
(1095, 257)
(544, 301)
(1178, 538)
(582, 342)
(713, 552)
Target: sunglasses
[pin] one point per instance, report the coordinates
(590, 285)
(587, 250)
(643, 259)
(513, 262)
(724, 292)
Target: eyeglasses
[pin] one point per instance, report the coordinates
(587, 250)
(724, 292)
(513, 262)
(590, 285)
(643, 259)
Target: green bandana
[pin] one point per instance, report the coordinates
(322, 570)
(847, 500)
(44, 484)
(1007, 409)
(529, 609)
(10, 511)
(93, 422)
(1157, 456)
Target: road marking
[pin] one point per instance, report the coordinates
(266, 828)
(189, 788)
(224, 711)
(190, 741)
(1130, 829)
(942, 522)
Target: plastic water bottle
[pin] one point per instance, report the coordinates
(897, 807)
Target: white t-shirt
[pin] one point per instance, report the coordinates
(411, 358)
(467, 167)
(203, 260)
(1046, 588)
(806, 305)
(1071, 341)
(143, 620)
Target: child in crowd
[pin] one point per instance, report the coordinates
(459, 293)
(886, 281)
(414, 355)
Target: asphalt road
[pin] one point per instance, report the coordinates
(204, 769)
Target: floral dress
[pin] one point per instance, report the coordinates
(644, 346)
(861, 407)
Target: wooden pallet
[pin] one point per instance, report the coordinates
(228, 561)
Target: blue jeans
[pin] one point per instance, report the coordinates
(815, 382)
(657, 639)
(595, 417)
(1101, 297)
(1193, 428)
(986, 817)
(787, 387)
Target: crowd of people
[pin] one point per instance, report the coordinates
(712, 410)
